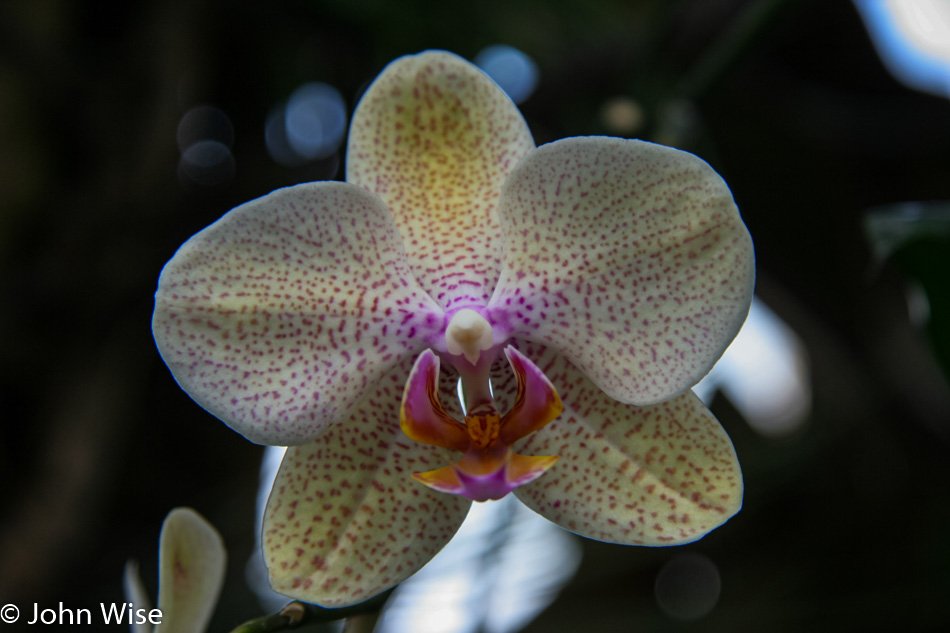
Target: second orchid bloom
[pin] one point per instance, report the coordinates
(573, 293)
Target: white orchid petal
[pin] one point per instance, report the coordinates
(435, 137)
(345, 520)
(629, 257)
(192, 561)
(279, 316)
(662, 474)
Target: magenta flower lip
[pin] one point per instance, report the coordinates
(488, 468)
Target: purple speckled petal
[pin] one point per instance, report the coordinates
(434, 137)
(280, 315)
(629, 257)
(345, 520)
(662, 474)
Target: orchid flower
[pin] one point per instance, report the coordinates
(192, 561)
(575, 291)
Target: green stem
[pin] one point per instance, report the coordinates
(273, 622)
(290, 616)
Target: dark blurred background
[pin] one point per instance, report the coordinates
(846, 516)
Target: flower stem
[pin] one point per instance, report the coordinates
(288, 617)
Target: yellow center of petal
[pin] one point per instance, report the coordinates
(468, 334)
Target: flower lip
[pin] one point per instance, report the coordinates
(488, 468)
(489, 486)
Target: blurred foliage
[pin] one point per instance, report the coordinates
(916, 236)
(844, 522)
(927, 261)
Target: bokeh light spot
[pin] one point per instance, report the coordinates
(315, 120)
(204, 123)
(205, 135)
(688, 586)
(512, 70)
(622, 115)
(912, 37)
(310, 126)
(206, 163)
